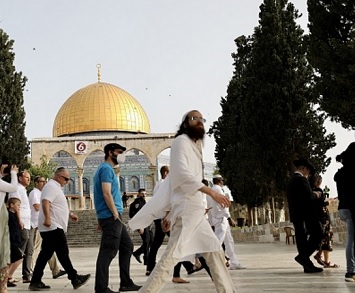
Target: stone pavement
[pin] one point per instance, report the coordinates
(270, 268)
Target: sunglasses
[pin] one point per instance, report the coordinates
(65, 178)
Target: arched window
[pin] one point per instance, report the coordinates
(86, 186)
(122, 185)
(134, 183)
(149, 183)
(69, 188)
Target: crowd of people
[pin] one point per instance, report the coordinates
(184, 207)
(310, 216)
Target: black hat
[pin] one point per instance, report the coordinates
(112, 147)
(304, 163)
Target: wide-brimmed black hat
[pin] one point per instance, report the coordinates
(304, 163)
(112, 147)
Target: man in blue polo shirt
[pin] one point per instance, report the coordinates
(109, 208)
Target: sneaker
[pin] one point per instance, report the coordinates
(80, 281)
(350, 277)
(237, 267)
(132, 287)
(11, 284)
(59, 274)
(38, 287)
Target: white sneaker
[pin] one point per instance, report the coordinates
(237, 267)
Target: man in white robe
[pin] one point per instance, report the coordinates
(221, 219)
(190, 232)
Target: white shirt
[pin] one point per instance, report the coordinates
(34, 198)
(217, 212)
(25, 210)
(59, 211)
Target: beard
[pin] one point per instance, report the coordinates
(114, 160)
(195, 132)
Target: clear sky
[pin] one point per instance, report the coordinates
(172, 56)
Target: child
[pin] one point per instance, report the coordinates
(15, 236)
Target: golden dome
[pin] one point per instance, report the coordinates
(100, 107)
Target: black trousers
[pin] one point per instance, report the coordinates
(157, 242)
(309, 235)
(145, 247)
(115, 238)
(53, 241)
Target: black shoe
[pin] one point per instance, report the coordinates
(138, 257)
(26, 280)
(11, 284)
(80, 281)
(313, 270)
(132, 287)
(59, 274)
(39, 287)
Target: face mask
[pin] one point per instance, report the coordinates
(121, 158)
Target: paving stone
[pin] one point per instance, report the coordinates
(270, 268)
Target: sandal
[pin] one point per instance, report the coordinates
(178, 280)
(319, 260)
(331, 266)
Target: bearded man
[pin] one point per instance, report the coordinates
(190, 231)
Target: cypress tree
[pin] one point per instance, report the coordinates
(268, 114)
(13, 143)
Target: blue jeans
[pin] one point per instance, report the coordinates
(345, 215)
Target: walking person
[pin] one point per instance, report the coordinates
(24, 216)
(35, 204)
(344, 178)
(134, 207)
(221, 220)
(15, 235)
(52, 224)
(190, 231)
(326, 245)
(303, 214)
(6, 170)
(115, 237)
(158, 239)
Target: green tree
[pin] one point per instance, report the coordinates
(13, 143)
(46, 169)
(332, 54)
(268, 118)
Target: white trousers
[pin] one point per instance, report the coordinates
(224, 235)
(162, 270)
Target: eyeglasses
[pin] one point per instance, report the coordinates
(195, 118)
(65, 178)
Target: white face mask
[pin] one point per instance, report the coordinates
(121, 158)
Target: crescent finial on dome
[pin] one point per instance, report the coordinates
(98, 66)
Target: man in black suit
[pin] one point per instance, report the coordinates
(303, 214)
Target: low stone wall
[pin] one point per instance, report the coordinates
(275, 232)
(84, 233)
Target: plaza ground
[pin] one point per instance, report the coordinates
(270, 268)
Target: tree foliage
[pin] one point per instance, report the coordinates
(332, 54)
(13, 143)
(45, 169)
(268, 118)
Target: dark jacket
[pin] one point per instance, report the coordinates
(135, 206)
(300, 199)
(344, 179)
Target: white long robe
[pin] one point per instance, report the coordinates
(185, 201)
